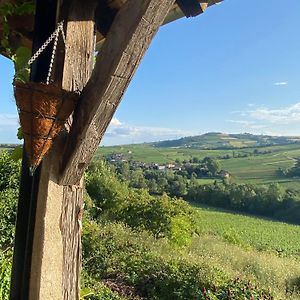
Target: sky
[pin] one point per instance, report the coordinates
(233, 69)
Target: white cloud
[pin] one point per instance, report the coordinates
(285, 115)
(268, 120)
(115, 122)
(119, 132)
(281, 83)
(137, 131)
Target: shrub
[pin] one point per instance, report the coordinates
(114, 200)
(5, 271)
(9, 172)
(8, 208)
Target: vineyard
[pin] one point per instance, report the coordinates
(249, 232)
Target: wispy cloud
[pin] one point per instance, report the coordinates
(268, 120)
(281, 83)
(119, 132)
(241, 122)
(247, 125)
(285, 115)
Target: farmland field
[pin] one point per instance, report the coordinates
(261, 234)
(149, 154)
(260, 169)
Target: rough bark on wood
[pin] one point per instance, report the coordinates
(71, 236)
(79, 55)
(57, 243)
(127, 41)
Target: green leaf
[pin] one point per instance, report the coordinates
(17, 153)
(20, 134)
(85, 293)
(21, 59)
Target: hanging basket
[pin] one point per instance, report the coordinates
(43, 111)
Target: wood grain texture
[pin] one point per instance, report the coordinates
(127, 41)
(79, 55)
(70, 226)
(56, 262)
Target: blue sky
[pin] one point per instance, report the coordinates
(235, 68)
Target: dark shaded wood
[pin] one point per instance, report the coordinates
(127, 41)
(190, 8)
(44, 25)
(104, 17)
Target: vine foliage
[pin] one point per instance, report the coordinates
(20, 54)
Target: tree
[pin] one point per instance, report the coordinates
(212, 165)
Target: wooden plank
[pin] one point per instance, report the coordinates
(127, 41)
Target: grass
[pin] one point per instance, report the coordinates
(269, 271)
(248, 247)
(216, 256)
(261, 234)
(262, 169)
(148, 154)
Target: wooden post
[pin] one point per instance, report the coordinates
(45, 18)
(56, 262)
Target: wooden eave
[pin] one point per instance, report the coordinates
(22, 26)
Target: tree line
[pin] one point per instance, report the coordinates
(271, 201)
(265, 200)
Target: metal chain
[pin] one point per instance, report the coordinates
(54, 36)
(45, 45)
(60, 28)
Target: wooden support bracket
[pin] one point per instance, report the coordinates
(127, 41)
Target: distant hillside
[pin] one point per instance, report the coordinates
(217, 140)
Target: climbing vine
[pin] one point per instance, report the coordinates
(20, 55)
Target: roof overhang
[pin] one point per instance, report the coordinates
(22, 26)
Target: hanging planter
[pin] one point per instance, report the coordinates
(43, 110)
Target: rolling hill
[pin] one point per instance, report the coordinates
(217, 140)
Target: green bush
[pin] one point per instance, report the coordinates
(114, 200)
(8, 208)
(155, 268)
(99, 292)
(159, 278)
(5, 272)
(9, 185)
(9, 172)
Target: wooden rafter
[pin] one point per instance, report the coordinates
(127, 41)
(22, 26)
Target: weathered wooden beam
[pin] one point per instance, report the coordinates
(45, 18)
(56, 262)
(127, 41)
